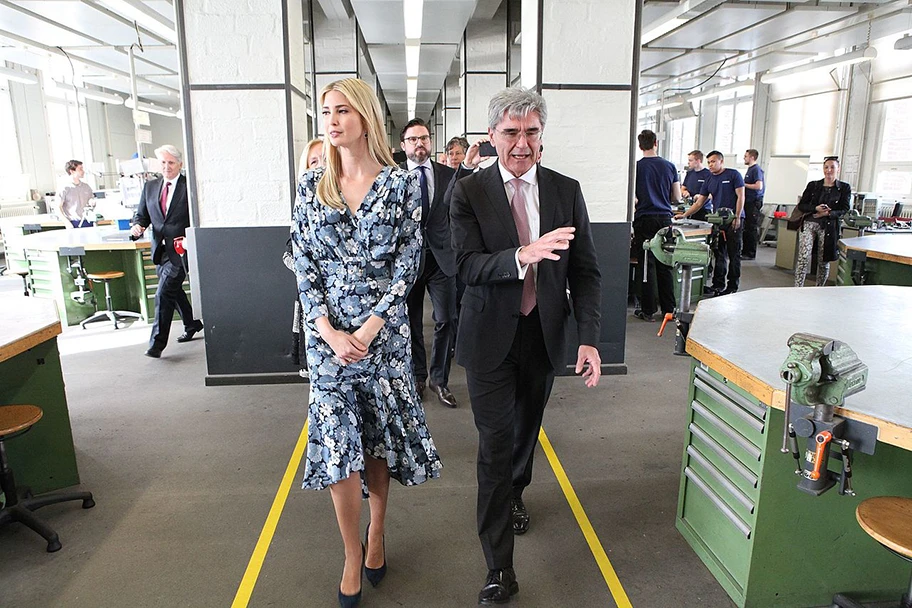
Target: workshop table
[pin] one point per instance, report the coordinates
(30, 374)
(766, 542)
(876, 259)
(51, 275)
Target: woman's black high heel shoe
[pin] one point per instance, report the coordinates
(375, 575)
(351, 601)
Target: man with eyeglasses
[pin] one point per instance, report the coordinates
(437, 273)
(522, 239)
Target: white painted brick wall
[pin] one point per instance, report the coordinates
(587, 138)
(334, 43)
(241, 162)
(486, 44)
(234, 42)
(588, 42)
(479, 89)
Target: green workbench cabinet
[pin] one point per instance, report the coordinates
(766, 542)
(42, 459)
(872, 271)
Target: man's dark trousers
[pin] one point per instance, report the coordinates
(169, 295)
(657, 274)
(751, 227)
(507, 435)
(728, 256)
(442, 290)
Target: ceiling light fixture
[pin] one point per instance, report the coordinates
(152, 109)
(857, 56)
(18, 76)
(903, 44)
(413, 11)
(656, 106)
(661, 29)
(412, 57)
(744, 87)
(143, 15)
(90, 93)
(411, 85)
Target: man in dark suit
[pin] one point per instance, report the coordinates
(437, 274)
(163, 206)
(522, 239)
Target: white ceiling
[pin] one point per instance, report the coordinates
(748, 36)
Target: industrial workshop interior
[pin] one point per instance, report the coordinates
(706, 206)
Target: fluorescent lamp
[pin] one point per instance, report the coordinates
(661, 29)
(411, 86)
(18, 76)
(865, 54)
(413, 11)
(744, 87)
(143, 15)
(90, 93)
(656, 106)
(412, 56)
(153, 109)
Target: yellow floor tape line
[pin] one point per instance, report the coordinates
(245, 590)
(601, 558)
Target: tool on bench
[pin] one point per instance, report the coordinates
(819, 373)
(670, 247)
(853, 219)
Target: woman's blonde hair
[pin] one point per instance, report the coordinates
(364, 101)
(304, 164)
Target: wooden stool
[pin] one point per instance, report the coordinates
(14, 421)
(114, 315)
(888, 520)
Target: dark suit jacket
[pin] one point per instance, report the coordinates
(485, 241)
(164, 229)
(437, 231)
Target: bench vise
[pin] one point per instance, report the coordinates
(819, 373)
(670, 247)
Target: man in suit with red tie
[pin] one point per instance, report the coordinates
(163, 206)
(522, 239)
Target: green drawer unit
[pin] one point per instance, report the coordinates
(858, 269)
(767, 543)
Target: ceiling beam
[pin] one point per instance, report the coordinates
(99, 66)
(109, 13)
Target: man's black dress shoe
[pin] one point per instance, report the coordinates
(444, 395)
(499, 587)
(520, 516)
(154, 353)
(188, 334)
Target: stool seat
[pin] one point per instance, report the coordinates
(888, 520)
(106, 275)
(17, 418)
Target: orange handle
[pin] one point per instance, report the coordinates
(822, 439)
(668, 317)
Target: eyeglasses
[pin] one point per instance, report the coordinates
(532, 135)
(414, 140)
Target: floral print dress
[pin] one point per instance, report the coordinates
(349, 267)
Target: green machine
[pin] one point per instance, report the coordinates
(819, 374)
(670, 247)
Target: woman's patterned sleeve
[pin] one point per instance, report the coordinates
(310, 281)
(406, 220)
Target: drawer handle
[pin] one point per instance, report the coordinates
(728, 431)
(758, 410)
(720, 504)
(722, 453)
(721, 478)
(732, 406)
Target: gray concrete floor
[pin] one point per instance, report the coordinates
(184, 477)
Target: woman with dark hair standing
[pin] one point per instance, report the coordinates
(357, 244)
(822, 204)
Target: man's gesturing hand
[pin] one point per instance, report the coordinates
(545, 247)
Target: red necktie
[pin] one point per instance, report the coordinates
(518, 207)
(164, 198)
